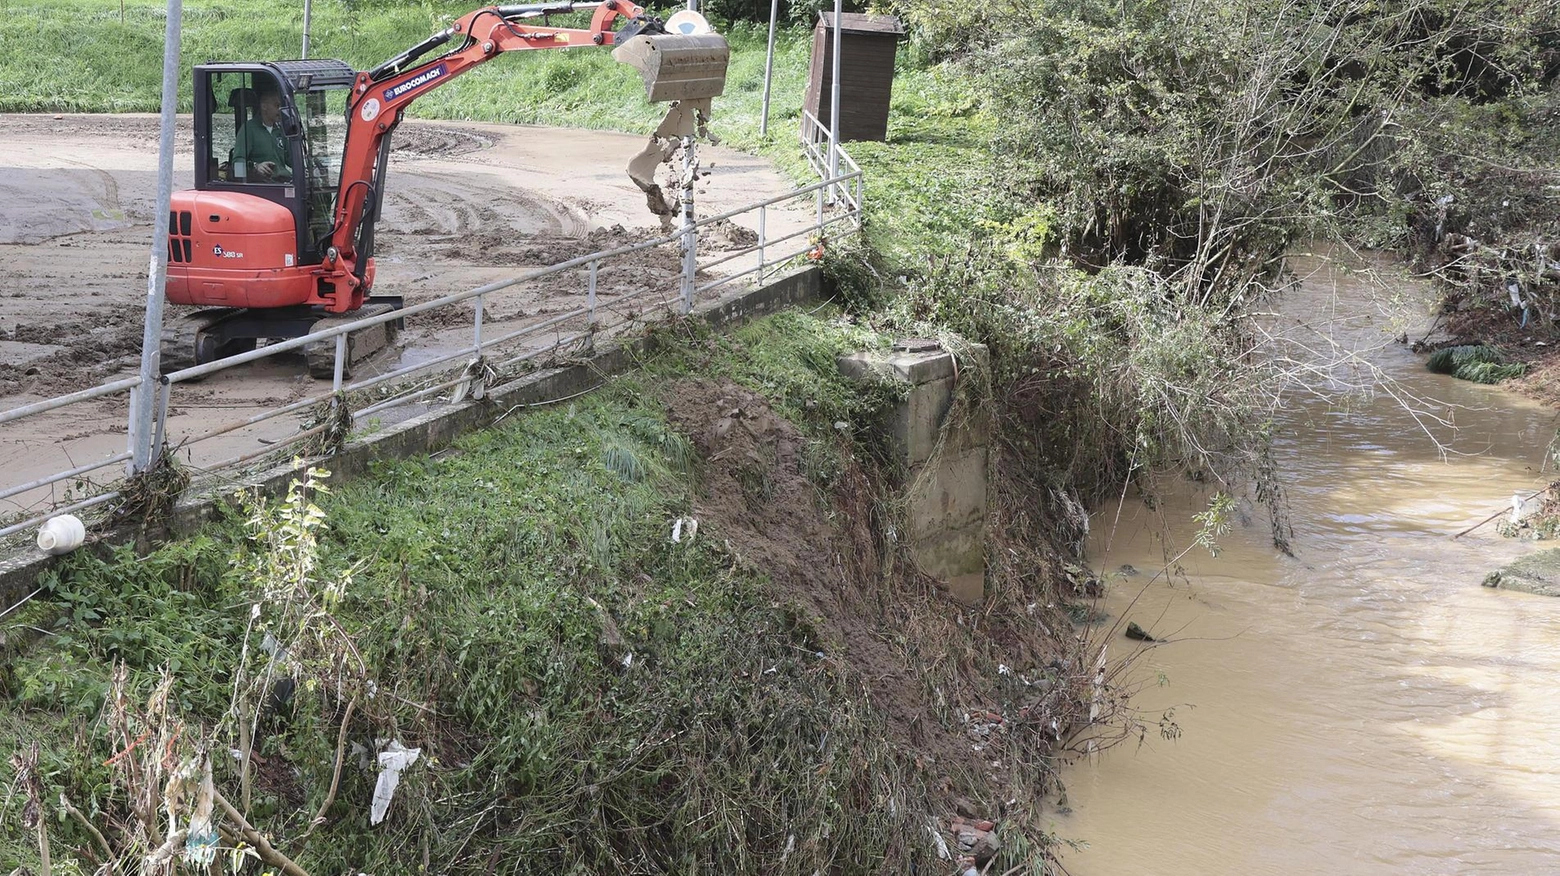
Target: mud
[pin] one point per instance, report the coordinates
(818, 551)
(467, 205)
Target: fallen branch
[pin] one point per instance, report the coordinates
(164, 854)
(335, 778)
(267, 852)
(97, 835)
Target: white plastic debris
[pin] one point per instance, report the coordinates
(392, 761)
(684, 526)
(938, 841)
(61, 535)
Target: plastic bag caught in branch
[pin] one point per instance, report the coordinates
(392, 761)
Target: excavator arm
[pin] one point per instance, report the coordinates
(380, 97)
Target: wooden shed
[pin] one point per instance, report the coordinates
(867, 46)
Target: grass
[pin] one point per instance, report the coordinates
(597, 697)
(101, 57)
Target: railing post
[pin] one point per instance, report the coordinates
(164, 390)
(306, 16)
(690, 231)
(132, 444)
(476, 331)
(763, 213)
(590, 307)
(341, 364)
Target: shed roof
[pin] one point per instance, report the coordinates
(858, 22)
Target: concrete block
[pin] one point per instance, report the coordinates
(949, 494)
(917, 423)
(919, 368)
(912, 368)
(949, 553)
(946, 501)
(867, 365)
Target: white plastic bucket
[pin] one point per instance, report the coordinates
(62, 534)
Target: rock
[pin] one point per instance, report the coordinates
(1537, 573)
(1136, 632)
(975, 838)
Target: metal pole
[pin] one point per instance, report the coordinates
(763, 213)
(834, 108)
(163, 392)
(142, 412)
(590, 309)
(690, 233)
(769, 67)
(476, 338)
(340, 371)
(306, 4)
(590, 296)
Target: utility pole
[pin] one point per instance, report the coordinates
(142, 453)
(834, 105)
(769, 67)
(306, 10)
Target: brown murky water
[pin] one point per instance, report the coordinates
(1365, 707)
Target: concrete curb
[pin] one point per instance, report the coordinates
(428, 432)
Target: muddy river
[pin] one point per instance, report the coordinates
(1362, 707)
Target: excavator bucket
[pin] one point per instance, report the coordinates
(678, 66)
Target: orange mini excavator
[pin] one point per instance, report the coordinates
(277, 238)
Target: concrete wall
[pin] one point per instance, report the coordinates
(945, 483)
(435, 429)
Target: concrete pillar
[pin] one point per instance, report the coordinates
(945, 484)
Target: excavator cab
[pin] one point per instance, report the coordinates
(291, 158)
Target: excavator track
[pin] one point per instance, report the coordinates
(187, 343)
(361, 345)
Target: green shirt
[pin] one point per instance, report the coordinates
(255, 144)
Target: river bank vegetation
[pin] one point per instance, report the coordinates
(1101, 200)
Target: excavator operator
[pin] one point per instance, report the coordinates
(260, 152)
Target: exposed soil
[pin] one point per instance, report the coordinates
(819, 552)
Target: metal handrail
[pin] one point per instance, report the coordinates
(843, 190)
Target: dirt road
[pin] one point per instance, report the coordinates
(467, 204)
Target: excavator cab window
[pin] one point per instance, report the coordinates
(323, 114)
(248, 138)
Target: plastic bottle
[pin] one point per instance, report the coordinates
(61, 535)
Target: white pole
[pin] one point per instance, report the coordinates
(305, 29)
(690, 233)
(769, 67)
(141, 413)
(834, 103)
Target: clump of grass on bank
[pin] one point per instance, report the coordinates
(63, 56)
(1479, 363)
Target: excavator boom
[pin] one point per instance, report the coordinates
(290, 173)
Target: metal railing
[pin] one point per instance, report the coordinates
(454, 373)
(823, 154)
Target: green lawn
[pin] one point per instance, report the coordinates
(103, 57)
